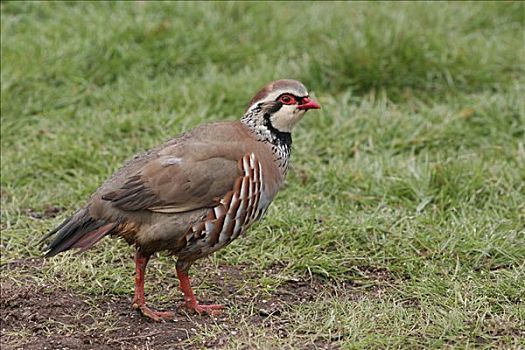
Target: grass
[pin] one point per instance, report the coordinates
(414, 170)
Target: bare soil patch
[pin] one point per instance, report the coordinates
(43, 316)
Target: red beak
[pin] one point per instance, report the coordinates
(309, 104)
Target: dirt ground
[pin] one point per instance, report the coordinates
(36, 316)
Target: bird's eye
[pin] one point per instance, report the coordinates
(287, 99)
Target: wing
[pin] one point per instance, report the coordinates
(178, 179)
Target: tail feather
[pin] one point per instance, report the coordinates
(79, 231)
(90, 239)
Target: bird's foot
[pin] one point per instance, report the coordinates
(211, 309)
(157, 316)
(190, 302)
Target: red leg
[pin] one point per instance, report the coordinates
(139, 301)
(190, 300)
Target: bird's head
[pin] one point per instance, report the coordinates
(279, 106)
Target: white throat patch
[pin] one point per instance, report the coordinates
(286, 118)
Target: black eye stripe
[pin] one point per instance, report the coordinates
(297, 98)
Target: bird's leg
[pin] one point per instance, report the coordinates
(190, 301)
(139, 301)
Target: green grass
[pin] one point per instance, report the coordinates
(415, 166)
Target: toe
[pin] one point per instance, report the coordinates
(157, 316)
(213, 309)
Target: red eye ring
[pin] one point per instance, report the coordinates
(287, 99)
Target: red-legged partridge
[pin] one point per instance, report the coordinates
(196, 193)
